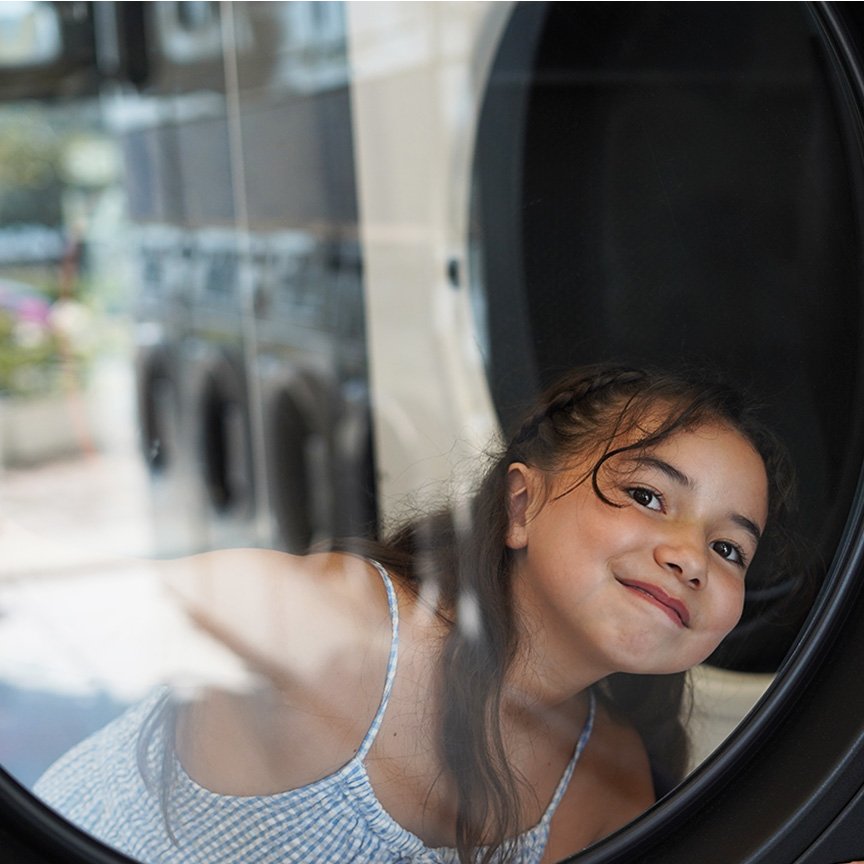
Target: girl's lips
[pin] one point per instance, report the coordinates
(673, 607)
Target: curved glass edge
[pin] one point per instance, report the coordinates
(39, 836)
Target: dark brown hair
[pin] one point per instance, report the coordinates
(598, 409)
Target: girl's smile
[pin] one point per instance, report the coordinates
(650, 579)
(676, 610)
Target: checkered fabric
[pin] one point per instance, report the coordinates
(98, 786)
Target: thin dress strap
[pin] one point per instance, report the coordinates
(392, 604)
(564, 782)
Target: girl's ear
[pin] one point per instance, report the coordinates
(522, 489)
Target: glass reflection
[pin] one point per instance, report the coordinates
(185, 347)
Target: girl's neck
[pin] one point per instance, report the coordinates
(533, 689)
(549, 670)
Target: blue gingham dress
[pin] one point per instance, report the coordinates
(99, 787)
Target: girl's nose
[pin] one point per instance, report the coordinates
(685, 556)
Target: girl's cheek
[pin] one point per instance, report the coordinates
(736, 604)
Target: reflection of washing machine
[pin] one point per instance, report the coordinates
(313, 397)
(216, 415)
(164, 260)
(163, 268)
(193, 405)
(220, 441)
(319, 452)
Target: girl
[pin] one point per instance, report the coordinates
(501, 681)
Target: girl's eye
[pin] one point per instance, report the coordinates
(646, 498)
(730, 552)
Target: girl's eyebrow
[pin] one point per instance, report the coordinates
(747, 524)
(682, 479)
(670, 471)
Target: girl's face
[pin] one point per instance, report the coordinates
(651, 586)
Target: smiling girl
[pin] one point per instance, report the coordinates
(499, 681)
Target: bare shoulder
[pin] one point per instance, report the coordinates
(328, 574)
(611, 786)
(316, 630)
(273, 608)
